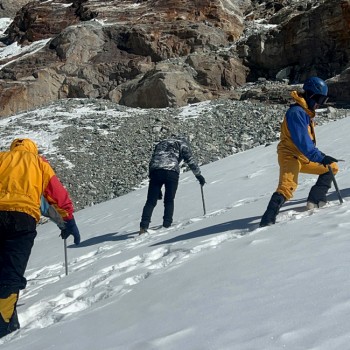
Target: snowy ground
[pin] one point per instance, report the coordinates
(208, 282)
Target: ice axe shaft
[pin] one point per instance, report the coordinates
(205, 212)
(65, 256)
(335, 184)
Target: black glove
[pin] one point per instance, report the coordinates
(201, 179)
(71, 228)
(328, 160)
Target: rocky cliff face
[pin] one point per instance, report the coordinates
(311, 40)
(169, 53)
(9, 8)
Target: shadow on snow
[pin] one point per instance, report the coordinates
(108, 237)
(247, 224)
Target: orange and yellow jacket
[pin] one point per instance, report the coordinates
(297, 137)
(25, 176)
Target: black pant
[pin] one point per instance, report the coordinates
(158, 178)
(17, 234)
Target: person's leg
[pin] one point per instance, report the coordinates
(289, 176)
(154, 188)
(16, 246)
(272, 210)
(288, 182)
(318, 193)
(171, 184)
(18, 231)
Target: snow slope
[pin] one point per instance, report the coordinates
(208, 282)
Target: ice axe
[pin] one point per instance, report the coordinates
(335, 184)
(203, 200)
(65, 256)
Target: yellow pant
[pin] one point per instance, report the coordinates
(7, 307)
(290, 167)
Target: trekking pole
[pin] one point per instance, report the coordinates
(65, 256)
(335, 184)
(203, 199)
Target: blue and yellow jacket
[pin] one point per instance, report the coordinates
(298, 137)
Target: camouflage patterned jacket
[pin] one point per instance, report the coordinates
(169, 153)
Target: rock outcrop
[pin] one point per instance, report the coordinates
(9, 8)
(108, 49)
(339, 87)
(314, 39)
(168, 53)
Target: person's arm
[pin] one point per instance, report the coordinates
(55, 193)
(187, 156)
(57, 196)
(298, 123)
(50, 212)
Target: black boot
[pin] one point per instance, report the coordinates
(14, 323)
(8, 313)
(318, 193)
(273, 208)
(9, 327)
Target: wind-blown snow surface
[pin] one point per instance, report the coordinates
(208, 282)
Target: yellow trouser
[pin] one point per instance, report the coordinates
(290, 167)
(7, 307)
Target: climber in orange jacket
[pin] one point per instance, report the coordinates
(297, 151)
(24, 178)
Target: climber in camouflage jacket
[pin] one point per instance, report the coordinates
(169, 153)
(164, 169)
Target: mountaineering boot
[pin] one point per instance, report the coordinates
(317, 196)
(14, 323)
(8, 315)
(312, 205)
(9, 327)
(273, 208)
(142, 231)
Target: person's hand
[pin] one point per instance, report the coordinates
(71, 228)
(201, 179)
(328, 160)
